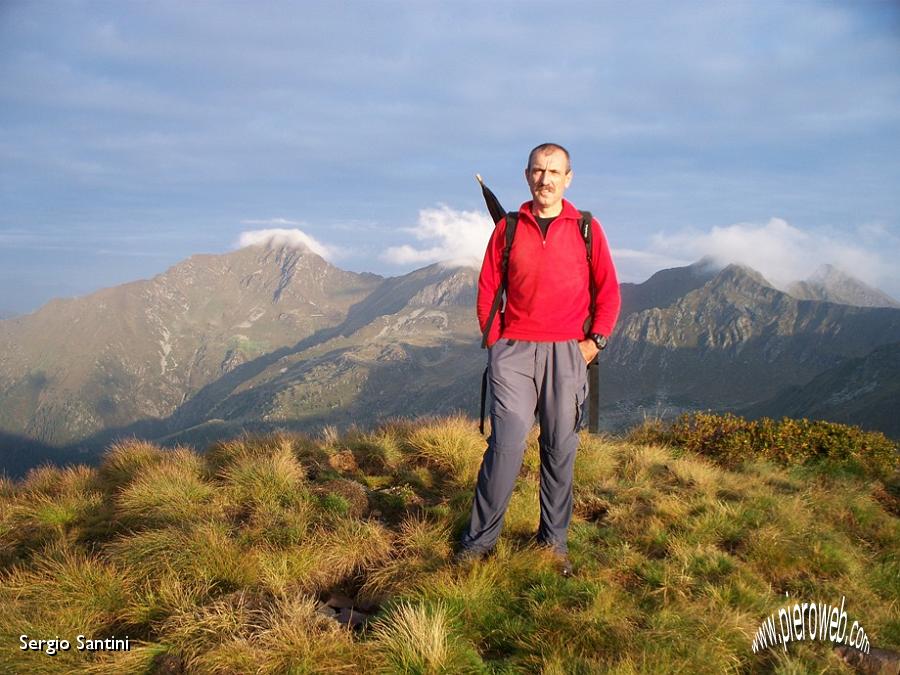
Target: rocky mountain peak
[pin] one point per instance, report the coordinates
(457, 288)
(666, 286)
(742, 276)
(831, 284)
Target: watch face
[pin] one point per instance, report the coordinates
(600, 341)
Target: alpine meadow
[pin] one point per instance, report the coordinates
(331, 553)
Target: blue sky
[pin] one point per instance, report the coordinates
(134, 134)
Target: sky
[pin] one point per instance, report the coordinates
(136, 134)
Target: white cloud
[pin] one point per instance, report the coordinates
(637, 266)
(285, 237)
(782, 252)
(456, 237)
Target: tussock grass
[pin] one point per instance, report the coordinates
(421, 547)
(353, 545)
(275, 526)
(7, 487)
(140, 658)
(51, 506)
(215, 562)
(230, 617)
(62, 592)
(205, 552)
(296, 639)
(292, 570)
(40, 517)
(452, 445)
(343, 497)
(161, 596)
(326, 558)
(128, 459)
(52, 481)
(285, 636)
(596, 460)
(173, 490)
(273, 480)
(522, 514)
(419, 638)
(379, 451)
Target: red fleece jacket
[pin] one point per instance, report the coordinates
(548, 292)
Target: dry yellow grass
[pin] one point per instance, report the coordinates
(53, 481)
(421, 547)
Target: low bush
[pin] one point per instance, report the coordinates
(730, 440)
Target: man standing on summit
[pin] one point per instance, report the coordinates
(539, 349)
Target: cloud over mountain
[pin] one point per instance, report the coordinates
(783, 252)
(280, 236)
(455, 236)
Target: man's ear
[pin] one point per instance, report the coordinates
(569, 177)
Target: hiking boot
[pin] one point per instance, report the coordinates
(468, 555)
(564, 566)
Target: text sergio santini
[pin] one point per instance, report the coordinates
(82, 644)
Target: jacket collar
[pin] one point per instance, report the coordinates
(568, 211)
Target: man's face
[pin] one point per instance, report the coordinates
(548, 177)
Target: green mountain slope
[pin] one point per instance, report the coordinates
(137, 351)
(863, 391)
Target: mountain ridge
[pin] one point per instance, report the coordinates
(270, 337)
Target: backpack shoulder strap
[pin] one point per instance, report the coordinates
(586, 231)
(587, 234)
(512, 220)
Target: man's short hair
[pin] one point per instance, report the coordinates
(549, 147)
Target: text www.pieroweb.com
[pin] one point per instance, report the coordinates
(810, 621)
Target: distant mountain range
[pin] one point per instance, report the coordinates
(730, 342)
(268, 337)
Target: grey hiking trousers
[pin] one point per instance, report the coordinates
(527, 378)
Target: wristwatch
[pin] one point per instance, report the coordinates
(599, 340)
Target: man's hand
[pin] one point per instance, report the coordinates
(588, 350)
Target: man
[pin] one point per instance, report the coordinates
(539, 351)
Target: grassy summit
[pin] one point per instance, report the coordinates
(218, 562)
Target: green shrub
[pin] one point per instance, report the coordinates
(731, 440)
